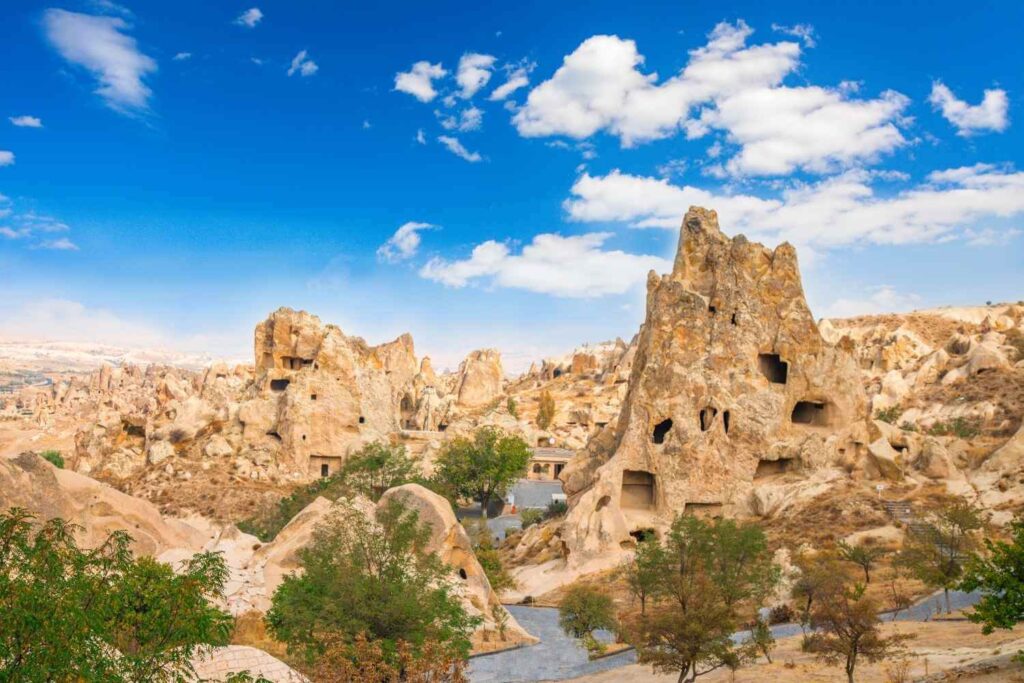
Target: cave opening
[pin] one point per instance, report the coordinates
(661, 430)
(707, 418)
(637, 490)
(773, 367)
(279, 384)
(812, 413)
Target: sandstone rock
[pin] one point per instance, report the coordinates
(159, 451)
(480, 378)
(729, 362)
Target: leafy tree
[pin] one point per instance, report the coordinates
(54, 458)
(482, 467)
(74, 614)
(376, 468)
(864, 556)
(266, 524)
(546, 410)
(817, 572)
(999, 575)
(488, 556)
(513, 408)
(583, 610)
(846, 625)
(712, 572)
(762, 638)
(937, 557)
(643, 572)
(367, 661)
(372, 577)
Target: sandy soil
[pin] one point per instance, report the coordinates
(938, 646)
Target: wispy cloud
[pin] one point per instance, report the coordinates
(182, 56)
(59, 244)
(302, 65)
(804, 32)
(250, 17)
(404, 244)
(473, 73)
(25, 121)
(457, 148)
(101, 45)
(6, 157)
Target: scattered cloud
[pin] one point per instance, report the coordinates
(59, 244)
(456, 148)
(182, 56)
(573, 267)
(25, 121)
(419, 80)
(473, 73)
(988, 116)
(14, 234)
(404, 244)
(838, 211)
(108, 7)
(101, 45)
(726, 86)
(881, 299)
(469, 119)
(303, 65)
(804, 32)
(250, 17)
(518, 77)
(421, 137)
(367, 125)
(6, 157)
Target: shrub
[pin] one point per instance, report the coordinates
(546, 410)
(583, 610)
(513, 409)
(54, 458)
(959, 426)
(890, 414)
(556, 508)
(781, 614)
(531, 516)
(1015, 338)
(908, 426)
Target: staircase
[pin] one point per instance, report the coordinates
(902, 511)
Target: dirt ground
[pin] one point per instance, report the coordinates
(955, 647)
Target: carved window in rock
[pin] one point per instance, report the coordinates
(661, 430)
(637, 490)
(773, 367)
(768, 468)
(813, 413)
(279, 384)
(707, 418)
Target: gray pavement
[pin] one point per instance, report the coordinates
(534, 494)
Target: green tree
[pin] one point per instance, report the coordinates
(845, 622)
(583, 610)
(74, 614)
(513, 409)
(643, 572)
(377, 467)
(817, 572)
(483, 467)
(713, 572)
(54, 458)
(937, 556)
(999, 575)
(372, 577)
(545, 410)
(762, 638)
(864, 556)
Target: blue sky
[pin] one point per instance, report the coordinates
(491, 176)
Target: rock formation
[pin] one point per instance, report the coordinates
(731, 381)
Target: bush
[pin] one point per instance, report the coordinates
(781, 614)
(546, 410)
(513, 409)
(556, 508)
(531, 516)
(583, 610)
(890, 414)
(1015, 338)
(73, 614)
(54, 458)
(371, 577)
(959, 426)
(266, 524)
(908, 426)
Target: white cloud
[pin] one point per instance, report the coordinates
(725, 86)
(473, 73)
(59, 244)
(182, 56)
(990, 115)
(469, 119)
(881, 299)
(517, 78)
(456, 148)
(574, 267)
(404, 244)
(838, 211)
(25, 121)
(249, 18)
(6, 157)
(101, 46)
(303, 65)
(421, 136)
(419, 80)
(14, 234)
(804, 32)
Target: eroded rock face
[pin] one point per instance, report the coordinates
(730, 380)
(480, 378)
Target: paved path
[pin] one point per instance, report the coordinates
(534, 494)
(556, 657)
